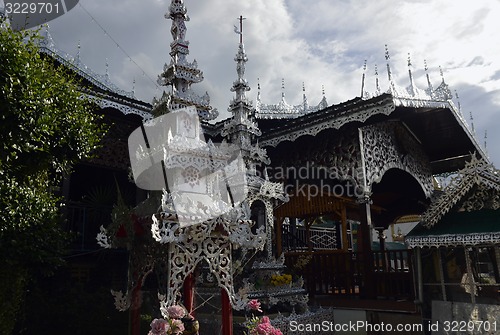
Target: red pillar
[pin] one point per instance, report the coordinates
(189, 293)
(227, 314)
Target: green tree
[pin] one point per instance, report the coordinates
(46, 126)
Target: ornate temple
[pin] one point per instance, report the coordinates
(315, 191)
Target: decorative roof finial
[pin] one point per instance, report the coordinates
(363, 80)
(377, 85)
(486, 142)
(240, 30)
(258, 90)
(472, 124)
(133, 87)
(411, 88)
(387, 58)
(458, 102)
(430, 89)
(77, 57)
(323, 103)
(304, 98)
(107, 70)
(282, 88)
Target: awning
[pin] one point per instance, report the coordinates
(458, 229)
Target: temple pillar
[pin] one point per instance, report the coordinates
(227, 314)
(364, 248)
(188, 289)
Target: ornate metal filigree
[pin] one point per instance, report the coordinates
(283, 110)
(476, 173)
(332, 121)
(391, 145)
(450, 240)
(330, 157)
(211, 241)
(180, 73)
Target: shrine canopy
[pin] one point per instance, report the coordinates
(467, 213)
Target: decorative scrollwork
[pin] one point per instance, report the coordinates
(358, 111)
(390, 145)
(461, 191)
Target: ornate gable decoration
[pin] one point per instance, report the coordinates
(476, 187)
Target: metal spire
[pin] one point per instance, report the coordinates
(258, 89)
(107, 71)
(472, 124)
(241, 129)
(387, 58)
(363, 80)
(282, 88)
(486, 142)
(304, 98)
(77, 57)
(458, 102)
(377, 85)
(412, 86)
(240, 31)
(430, 89)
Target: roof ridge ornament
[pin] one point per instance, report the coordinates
(363, 79)
(387, 58)
(430, 89)
(411, 88)
(377, 84)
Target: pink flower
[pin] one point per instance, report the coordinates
(159, 327)
(276, 332)
(254, 305)
(176, 312)
(264, 329)
(177, 326)
(265, 319)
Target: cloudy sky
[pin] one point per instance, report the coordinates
(318, 43)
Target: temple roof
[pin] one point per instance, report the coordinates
(438, 126)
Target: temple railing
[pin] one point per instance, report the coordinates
(319, 238)
(346, 274)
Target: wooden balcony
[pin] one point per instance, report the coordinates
(350, 278)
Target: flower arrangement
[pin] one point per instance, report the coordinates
(259, 326)
(173, 325)
(279, 280)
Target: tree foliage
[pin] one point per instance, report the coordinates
(46, 126)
